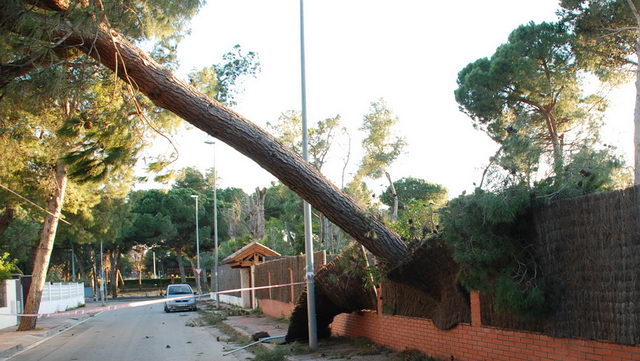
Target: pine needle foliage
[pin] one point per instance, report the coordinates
(491, 236)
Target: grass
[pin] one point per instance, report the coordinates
(412, 355)
(367, 347)
(234, 336)
(278, 353)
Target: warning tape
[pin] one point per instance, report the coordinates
(143, 303)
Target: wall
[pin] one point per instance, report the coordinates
(57, 297)
(229, 279)
(11, 305)
(275, 308)
(474, 341)
(231, 300)
(245, 282)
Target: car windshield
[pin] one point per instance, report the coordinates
(179, 290)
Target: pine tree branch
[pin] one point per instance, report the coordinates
(634, 10)
(22, 67)
(55, 5)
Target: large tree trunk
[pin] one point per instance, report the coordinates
(94, 274)
(115, 266)
(232, 219)
(166, 91)
(183, 276)
(255, 209)
(45, 246)
(80, 265)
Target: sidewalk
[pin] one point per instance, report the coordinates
(12, 341)
(334, 349)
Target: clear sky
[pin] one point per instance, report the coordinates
(406, 51)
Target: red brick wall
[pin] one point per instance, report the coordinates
(275, 308)
(467, 342)
(464, 342)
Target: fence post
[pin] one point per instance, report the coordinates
(252, 280)
(291, 287)
(476, 310)
(269, 277)
(379, 299)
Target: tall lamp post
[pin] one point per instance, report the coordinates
(198, 270)
(308, 240)
(215, 226)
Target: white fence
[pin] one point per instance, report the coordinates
(57, 297)
(231, 300)
(11, 307)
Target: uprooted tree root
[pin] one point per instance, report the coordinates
(341, 287)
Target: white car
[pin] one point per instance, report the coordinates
(183, 303)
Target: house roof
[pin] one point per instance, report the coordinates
(250, 254)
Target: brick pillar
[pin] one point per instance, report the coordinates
(476, 316)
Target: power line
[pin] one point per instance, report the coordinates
(32, 203)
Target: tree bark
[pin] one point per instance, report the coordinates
(394, 213)
(115, 266)
(45, 246)
(183, 276)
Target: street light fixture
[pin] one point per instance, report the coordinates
(198, 270)
(215, 226)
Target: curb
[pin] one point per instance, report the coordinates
(45, 336)
(10, 351)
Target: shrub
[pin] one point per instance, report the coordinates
(6, 266)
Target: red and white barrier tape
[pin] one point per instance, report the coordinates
(143, 303)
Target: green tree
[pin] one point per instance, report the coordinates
(284, 205)
(381, 149)
(288, 129)
(7, 266)
(529, 93)
(418, 203)
(414, 189)
(321, 139)
(528, 98)
(92, 133)
(608, 45)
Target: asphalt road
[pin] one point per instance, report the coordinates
(142, 333)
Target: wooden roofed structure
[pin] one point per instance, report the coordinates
(251, 254)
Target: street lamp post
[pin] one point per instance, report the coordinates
(308, 240)
(198, 270)
(215, 226)
(102, 288)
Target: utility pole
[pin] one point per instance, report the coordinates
(216, 289)
(102, 288)
(73, 265)
(198, 270)
(155, 275)
(308, 237)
